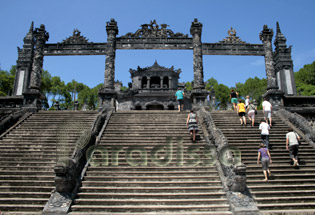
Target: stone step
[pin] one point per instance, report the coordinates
(160, 184)
(148, 208)
(157, 213)
(151, 173)
(34, 208)
(26, 177)
(287, 205)
(287, 199)
(23, 201)
(153, 189)
(28, 182)
(148, 201)
(166, 195)
(25, 189)
(146, 178)
(288, 212)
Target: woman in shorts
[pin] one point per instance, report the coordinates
(233, 97)
(241, 111)
(264, 156)
(251, 108)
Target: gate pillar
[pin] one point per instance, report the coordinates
(112, 31)
(195, 31)
(33, 96)
(273, 94)
(107, 94)
(266, 37)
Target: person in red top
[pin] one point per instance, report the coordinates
(241, 111)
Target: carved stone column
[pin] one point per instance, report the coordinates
(170, 86)
(161, 82)
(273, 94)
(266, 37)
(33, 97)
(195, 31)
(148, 82)
(107, 94)
(41, 37)
(112, 31)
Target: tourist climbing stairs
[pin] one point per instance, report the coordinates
(117, 186)
(28, 155)
(289, 190)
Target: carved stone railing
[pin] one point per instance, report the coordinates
(12, 120)
(69, 171)
(300, 123)
(231, 171)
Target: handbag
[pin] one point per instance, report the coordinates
(299, 142)
(255, 109)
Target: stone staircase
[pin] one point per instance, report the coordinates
(124, 188)
(28, 155)
(290, 190)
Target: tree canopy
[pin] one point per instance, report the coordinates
(305, 80)
(7, 81)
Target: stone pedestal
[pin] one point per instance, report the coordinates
(107, 99)
(199, 98)
(33, 100)
(275, 97)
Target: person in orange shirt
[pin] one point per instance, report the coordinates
(241, 111)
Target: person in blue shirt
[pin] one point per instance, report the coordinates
(180, 98)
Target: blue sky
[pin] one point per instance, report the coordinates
(247, 17)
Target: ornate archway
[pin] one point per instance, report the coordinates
(278, 64)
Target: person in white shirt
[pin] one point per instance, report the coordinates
(292, 145)
(264, 127)
(246, 102)
(267, 108)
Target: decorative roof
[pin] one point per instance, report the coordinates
(76, 38)
(232, 38)
(155, 67)
(153, 30)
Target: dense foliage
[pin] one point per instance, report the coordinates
(305, 80)
(6, 81)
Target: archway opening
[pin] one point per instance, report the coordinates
(155, 82)
(155, 107)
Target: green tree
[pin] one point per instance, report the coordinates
(254, 88)
(7, 81)
(305, 80)
(188, 86)
(211, 84)
(89, 97)
(222, 94)
(46, 83)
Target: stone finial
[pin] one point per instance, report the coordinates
(112, 26)
(266, 34)
(278, 28)
(31, 27)
(280, 41)
(196, 27)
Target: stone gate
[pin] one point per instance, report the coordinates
(278, 63)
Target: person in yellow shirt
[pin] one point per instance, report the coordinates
(241, 111)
